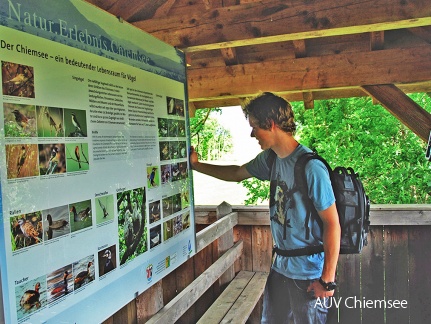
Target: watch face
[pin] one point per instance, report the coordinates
(331, 286)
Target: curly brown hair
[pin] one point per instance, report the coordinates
(267, 107)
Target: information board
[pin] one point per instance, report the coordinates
(96, 193)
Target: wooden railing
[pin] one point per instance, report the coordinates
(395, 267)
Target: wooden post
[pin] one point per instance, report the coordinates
(150, 302)
(224, 243)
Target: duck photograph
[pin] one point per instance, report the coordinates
(26, 230)
(30, 296)
(55, 222)
(59, 283)
(80, 215)
(83, 272)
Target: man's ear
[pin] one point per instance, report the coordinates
(273, 125)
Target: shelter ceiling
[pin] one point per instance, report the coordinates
(302, 50)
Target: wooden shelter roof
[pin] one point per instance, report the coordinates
(304, 50)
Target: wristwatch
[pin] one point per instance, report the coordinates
(328, 285)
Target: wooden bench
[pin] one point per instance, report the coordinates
(237, 301)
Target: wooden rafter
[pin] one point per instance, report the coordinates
(402, 107)
(312, 73)
(275, 21)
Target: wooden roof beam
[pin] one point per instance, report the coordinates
(276, 21)
(377, 40)
(342, 71)
(402, 107)
(229, 56)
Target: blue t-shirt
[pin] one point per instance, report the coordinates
(288, 212)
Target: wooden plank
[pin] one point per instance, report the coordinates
(149, 302)
(225, 242)
(241, 310)
(400, 215)
(126, 314)
(261, 248)
(185, 276)
(420, 280)
(243, 233)
(308, 100)
(203, 260)
(253, 216)
(396, 271)
(183, 301)
(377, 40)
(380, 214)
(227, 298)
(373, 275)
(266, 22)
(401, 65)
(349, 286)
(321, 94)
(402, 107)
(215, 230)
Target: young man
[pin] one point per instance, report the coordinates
(297, 285)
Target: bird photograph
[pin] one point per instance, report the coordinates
(168, 229)
(55, 222)
(173, 128)
(182, 166)
(163, 127)
(181, 128)
(59, 283)
(80, 215)
(22, 160)
(153, 177)
(75, 122)
(167, 206)
(164, 151)
(77, 157)
(17, 80)
(83, 272)
(186, 220)
(19, 120)
(52, 159)
(49, 121)
(107, 260)
(155, 236)
(185, 198)
(132, 230)
(26, 230)
(30, 296)
(104, 209)
(154, 210)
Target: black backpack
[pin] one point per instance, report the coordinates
(352, 203)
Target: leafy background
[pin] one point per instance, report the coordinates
(354, 132)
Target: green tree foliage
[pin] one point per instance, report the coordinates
(210, 139)
(353, 132)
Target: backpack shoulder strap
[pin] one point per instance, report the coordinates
(270, 161)
(301, 185)
(300, 177)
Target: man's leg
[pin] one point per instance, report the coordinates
(306, 309)
(276, 305)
